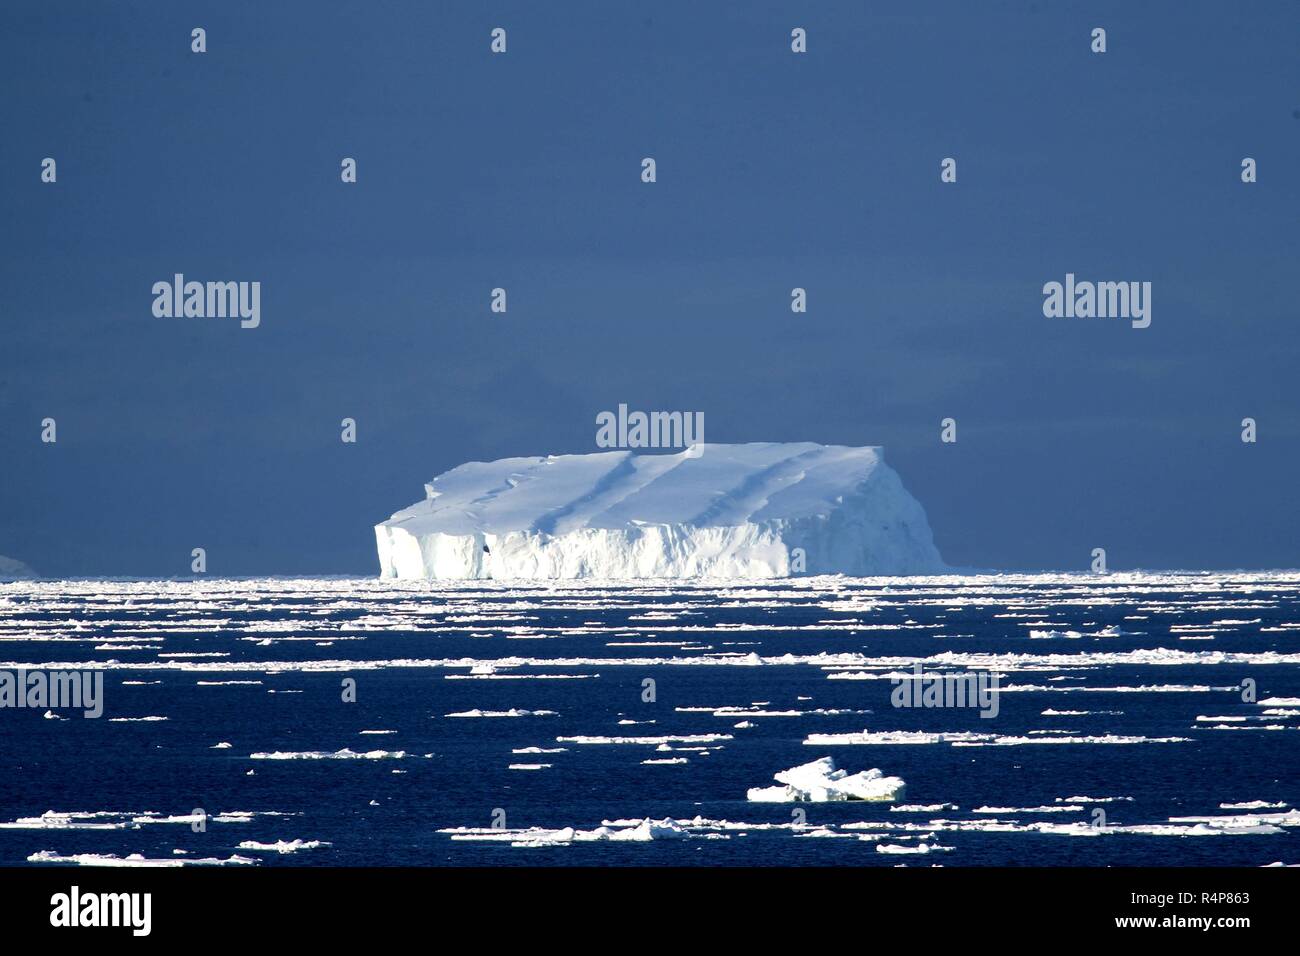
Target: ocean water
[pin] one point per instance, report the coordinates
(655, 700)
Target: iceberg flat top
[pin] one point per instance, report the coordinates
(710, 486)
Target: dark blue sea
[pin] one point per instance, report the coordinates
(1142, 719)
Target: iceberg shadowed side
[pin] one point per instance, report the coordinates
(758, 510)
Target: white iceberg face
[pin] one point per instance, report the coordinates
(731, 511)
(820, 782)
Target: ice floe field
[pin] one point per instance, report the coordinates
(657, 723)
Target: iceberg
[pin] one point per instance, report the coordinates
(758, 510)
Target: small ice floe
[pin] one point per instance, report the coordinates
(377, 732)
(1068, 808)
(540, 750)
(1279, 702)
(1081, 799)
(1243, 727)
(512, 712)
(283, 846)
(1246, 822)
(921, 848)
(140, 683)
(134, 720)
(344, 754)
(188, 819)
(744, 725)
(923, 807)
(643, 831)
(757, 711)
(228, 683)
(820, 782)
(667, 760)
(246, 816)
(133, 859)
(56, 820)
(1253, 805)
(51, 715)
(823, 833)
(221, 745)
(1103, 739)
(899, 737)
(650, 741)
(530, 766)
(496, 676)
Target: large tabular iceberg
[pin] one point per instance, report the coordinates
(734, 511)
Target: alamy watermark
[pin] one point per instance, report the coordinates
(77, 908)
(208, 300)
(1098, 300)
(626, 429)
(53, 690)
(976, 689)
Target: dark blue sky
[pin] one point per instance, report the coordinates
(522, 171)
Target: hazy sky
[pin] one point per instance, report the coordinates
(522, 170)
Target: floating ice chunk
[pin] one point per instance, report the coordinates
(1078, 799)
(652, 741)
(921, 848)
(283, 846)
(894, 737)
(1104, 739)
(133, 859)
(512, 712)
(1068, 808)
(621, 831)
(820, 782)
(344, 754)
